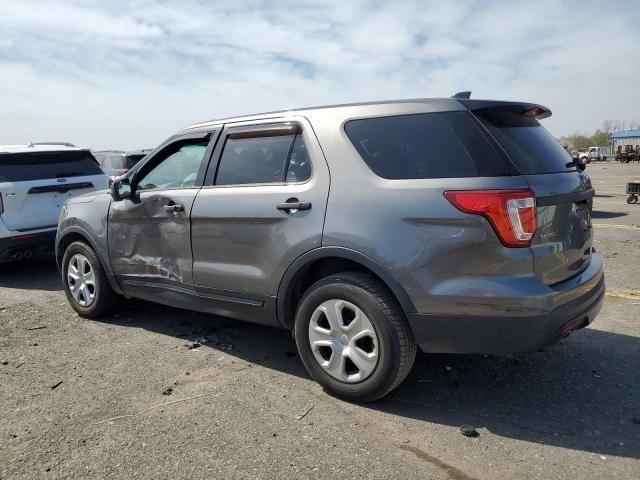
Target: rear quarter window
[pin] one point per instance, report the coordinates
(21, 167)
(431, 145)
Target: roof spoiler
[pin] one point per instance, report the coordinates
(530, 109)
(465, 94)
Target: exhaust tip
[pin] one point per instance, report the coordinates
(573, 326)
(28, 254)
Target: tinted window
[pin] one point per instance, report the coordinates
(19, 167)
(254, 160)
(131, 160)
(529, 145)
(433, 145)
(178, 170)
(299, 166)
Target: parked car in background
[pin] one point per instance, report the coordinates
(368, 230)
(116, 163)
(35, 181)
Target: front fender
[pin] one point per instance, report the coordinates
(87, 220)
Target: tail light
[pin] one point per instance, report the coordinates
(512, 213)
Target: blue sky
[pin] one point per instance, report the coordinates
(127, 74)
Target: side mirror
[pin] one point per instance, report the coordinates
(121, 188)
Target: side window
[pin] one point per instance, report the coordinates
(259, 160)
(253, 160)
(178, 170)
(117, 162)
(299, 166)
(430, 145)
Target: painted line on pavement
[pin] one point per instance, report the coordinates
(616, 225)
(625, 293)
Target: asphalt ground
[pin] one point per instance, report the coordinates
(128, 396)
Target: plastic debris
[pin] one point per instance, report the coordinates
(469, 431)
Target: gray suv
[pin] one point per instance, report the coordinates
(368, 230)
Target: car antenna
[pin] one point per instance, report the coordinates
(465, 94)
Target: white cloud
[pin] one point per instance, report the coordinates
(126, 74)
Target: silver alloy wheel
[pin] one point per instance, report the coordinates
(343, 341)
(81, 280)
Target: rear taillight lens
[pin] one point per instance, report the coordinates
(512, 213)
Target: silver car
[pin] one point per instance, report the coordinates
(368, 230)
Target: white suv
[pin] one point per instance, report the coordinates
(35, 181)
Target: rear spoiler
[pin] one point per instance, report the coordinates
(532, 109)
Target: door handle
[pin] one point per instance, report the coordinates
(174, 208)
(293, 205)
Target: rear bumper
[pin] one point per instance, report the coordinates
(26, 244)
(576, 304)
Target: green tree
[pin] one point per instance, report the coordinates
(578, 141)
(599, 138)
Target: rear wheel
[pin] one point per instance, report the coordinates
(353, 338)
(85, 282)
(632, 199)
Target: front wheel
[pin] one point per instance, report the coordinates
(352, 337)
(85, 282)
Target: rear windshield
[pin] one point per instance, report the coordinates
(431, 145)
(118, 162)
(528, 144)
(20, 167)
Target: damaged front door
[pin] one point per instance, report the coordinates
(150, 232)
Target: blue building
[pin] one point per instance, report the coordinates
(625, 137)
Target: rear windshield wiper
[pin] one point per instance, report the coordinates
(576, 162)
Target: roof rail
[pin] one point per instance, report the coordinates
(62, 144)
(465, 94)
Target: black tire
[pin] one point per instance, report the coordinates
(396, 345)
(632, 199)
(105, 298)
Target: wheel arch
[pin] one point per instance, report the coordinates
(324, 261)
(75, 234)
